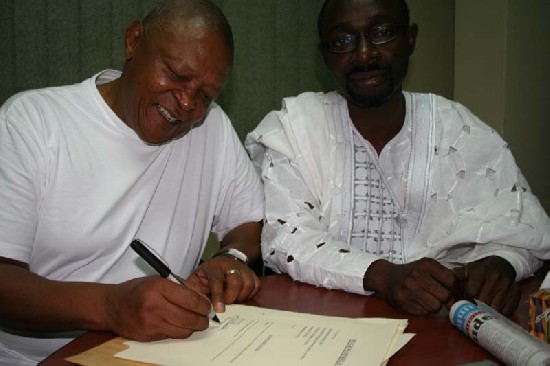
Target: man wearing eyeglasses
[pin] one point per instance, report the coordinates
(373, 189)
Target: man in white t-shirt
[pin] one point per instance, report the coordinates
(407, 195)
(147, 154)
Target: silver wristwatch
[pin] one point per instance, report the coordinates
(232, 252)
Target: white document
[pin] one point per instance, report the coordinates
(255, 336)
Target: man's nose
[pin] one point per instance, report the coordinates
(365, 50)
(187, 102)
(186, 99)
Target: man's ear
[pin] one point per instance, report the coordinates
(412, 34)
(133, 35)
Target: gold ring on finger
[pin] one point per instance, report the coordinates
(231, 271)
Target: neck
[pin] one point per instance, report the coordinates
(380, 124)
(109, 92)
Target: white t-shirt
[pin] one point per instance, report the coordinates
(77, 185)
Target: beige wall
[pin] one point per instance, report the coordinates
(526, 112)
(431, 68)
(480, 58)
(502, 56)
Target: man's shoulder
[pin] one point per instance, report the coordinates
(46, 97)
(312, 99)
(455, 125)
(46, 110)
(436, 99)
(216, 131)
(303, 109)
(216, 121)
(448, 111)
(301, 118)
(439, 102)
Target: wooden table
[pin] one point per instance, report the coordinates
(437, 341)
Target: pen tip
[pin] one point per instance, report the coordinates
(216, 319)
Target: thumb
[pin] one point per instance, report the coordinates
(216, 294)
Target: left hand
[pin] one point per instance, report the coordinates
(491, 280)
(225, 280)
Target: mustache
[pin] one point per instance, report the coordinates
(365, 68)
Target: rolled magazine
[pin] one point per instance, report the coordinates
(503, 338)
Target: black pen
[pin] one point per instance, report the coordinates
(162, 269)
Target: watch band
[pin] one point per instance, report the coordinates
(232, 252)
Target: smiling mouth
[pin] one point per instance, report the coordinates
(167, 115)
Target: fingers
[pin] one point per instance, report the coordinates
(154, 308)
(491, 280)
(485, 279)
(414, 307)
(233, 283)
(171, 322)
(421, 287)
(158, 328)
(201, 275)
(216, 283)
(181, 324)
(473, 282)
(196, 283)
(424, 286)
(433, 290)
(431, 294)
(447, 279)
(505, 300)
(240, 285)
(500, 293)
(511, 302)
(422, 305)
(186, 298)
(228, 280)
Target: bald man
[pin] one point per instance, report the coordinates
(143, 153)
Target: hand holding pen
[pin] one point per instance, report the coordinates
(148, 309)
(163, 270)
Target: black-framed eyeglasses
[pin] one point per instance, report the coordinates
(378, 35)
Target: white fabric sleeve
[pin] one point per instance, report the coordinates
(523, 261)
(295, 238)
(241, 198)
(23, 161)
(485, 199)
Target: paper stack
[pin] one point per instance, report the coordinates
(250, 335)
